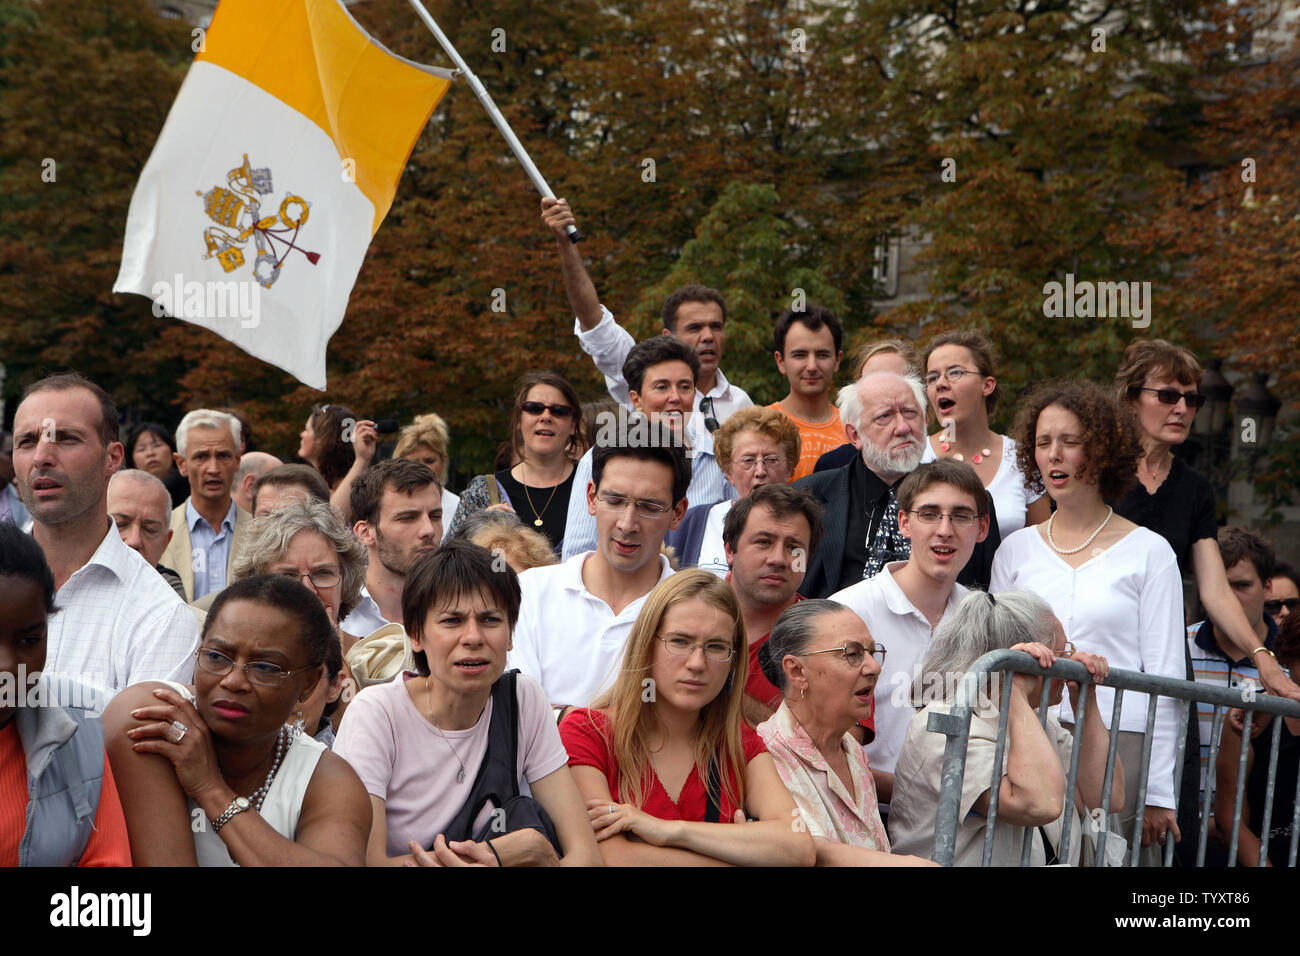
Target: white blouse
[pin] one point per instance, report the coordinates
(1126, 604)
(1010, 496)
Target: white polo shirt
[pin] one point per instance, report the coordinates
(118, 623)
(896, 623)
(567, 638)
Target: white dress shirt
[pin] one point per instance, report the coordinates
(450, 502)
(567, 638)
(608, 344)
(1125, 604)
(366, 618)
(119, 623)
(895, 622)
(708, 486)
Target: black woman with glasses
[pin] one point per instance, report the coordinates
(962, 388)
(826, 664)
(212, 774)
(668, 768)
(545, 428)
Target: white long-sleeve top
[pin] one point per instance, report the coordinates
(1125, 604)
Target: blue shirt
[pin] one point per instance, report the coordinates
(210, 550)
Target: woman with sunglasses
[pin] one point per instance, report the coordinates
(1160, 383)
(959, 380)
(545, 428)
(665, 761)
(211, 774)
(1283, 590)
(822, 658)
(1031, 788)
(1114, 585)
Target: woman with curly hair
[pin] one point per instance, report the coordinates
(665, 761)
(545, 430)
(1114, 585)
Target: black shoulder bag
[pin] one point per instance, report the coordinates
(497, 780)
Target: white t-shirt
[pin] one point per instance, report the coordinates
(412, 765)
(712, 557)
(1126, 604)
(896, 623)
(1010, 496)
(567, 638)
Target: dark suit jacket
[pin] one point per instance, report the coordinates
(831, 488)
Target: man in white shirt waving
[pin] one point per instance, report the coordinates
(119, 622)
(943, 509)
(695, 314)
(575, 617)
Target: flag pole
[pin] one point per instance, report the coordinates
(485, 98)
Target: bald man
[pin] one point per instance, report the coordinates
(140, 506)
(252, 466)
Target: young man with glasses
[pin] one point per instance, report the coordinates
(694, 314)
(943, 510)
(661, 373)
(575, 617)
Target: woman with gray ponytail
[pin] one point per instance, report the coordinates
(1036, 759)
(822, 658)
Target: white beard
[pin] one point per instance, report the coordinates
(901, 462)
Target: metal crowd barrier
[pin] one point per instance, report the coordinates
(956, 725)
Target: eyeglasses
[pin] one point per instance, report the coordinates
(1276, 605)
(854, 653)
(717, 651)
(1170, 396)
(259, 672)
(750, 462)
(536, 408)
(646, 509)
(710, 419)
(952, 376)
(959, 519)
(321, 578)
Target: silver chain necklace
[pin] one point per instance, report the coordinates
(1109, 514)
(460, 774)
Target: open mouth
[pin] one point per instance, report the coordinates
(1057, 477)
(864, 693)
(945, 404)
(626, 547)
(471, 664)
(45, 484)
(942, 551)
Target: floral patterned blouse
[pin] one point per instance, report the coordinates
(829, 809)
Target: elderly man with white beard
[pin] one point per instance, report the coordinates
(884, 418)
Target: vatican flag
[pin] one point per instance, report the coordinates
(277, 163)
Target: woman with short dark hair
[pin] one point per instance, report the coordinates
(423, 741)
(211, 773)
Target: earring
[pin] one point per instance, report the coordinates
(803, 692)
(299, 724)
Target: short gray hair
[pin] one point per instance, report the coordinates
(142, 477)
(981, 623)
(269, 537)
(205, 418)
(793, 631)
(849, 399)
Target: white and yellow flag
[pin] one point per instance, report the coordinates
(277, 163)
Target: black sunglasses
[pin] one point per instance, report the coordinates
(536, 408)
(1276, 605)
(1170, 396)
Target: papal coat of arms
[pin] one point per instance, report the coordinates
(237, 214)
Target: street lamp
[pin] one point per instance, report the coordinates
(1257, 410)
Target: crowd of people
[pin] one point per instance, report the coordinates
(674, 628)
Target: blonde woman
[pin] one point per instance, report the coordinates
(665, 761)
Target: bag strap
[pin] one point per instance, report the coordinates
(1048, 850)
(494, 490)
(712, 813)
(496, 780)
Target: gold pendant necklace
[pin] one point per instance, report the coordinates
(523, 471)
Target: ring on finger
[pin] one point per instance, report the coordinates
(612, 808)
(176, 733)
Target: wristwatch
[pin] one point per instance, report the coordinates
(238, 805)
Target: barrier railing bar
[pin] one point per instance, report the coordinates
(1216, 730)
(1072, 778)
(995, 786)
(1241, 787)
(1267, 826)
(1145, 764)
(1107, 785)
(1180, 755)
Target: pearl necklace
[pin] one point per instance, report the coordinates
(1110, 512)
(259, 794)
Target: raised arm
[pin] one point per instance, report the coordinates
(556, 214)
(365, 441)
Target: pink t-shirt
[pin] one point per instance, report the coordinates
(406, 762)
